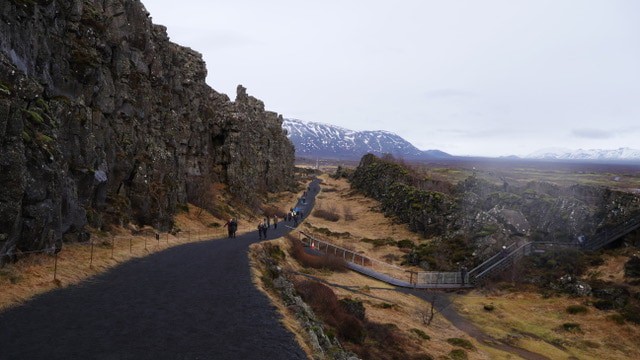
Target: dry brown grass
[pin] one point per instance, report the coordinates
(288, 318)
(534, 323)
(34, 274)
(523, 319)
(367, 223)
(383, 305)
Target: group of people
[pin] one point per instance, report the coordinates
(264, 225)
(294, 214)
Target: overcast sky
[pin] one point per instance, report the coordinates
(486, 78)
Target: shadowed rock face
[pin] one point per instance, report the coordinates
(103, 119)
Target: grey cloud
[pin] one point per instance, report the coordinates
(588, 133)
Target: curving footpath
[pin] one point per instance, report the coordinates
(194, 301)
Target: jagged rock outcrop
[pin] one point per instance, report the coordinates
(490, 214)
(102, 118)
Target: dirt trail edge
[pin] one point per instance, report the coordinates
(194, 301)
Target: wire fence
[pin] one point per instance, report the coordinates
(120, 247)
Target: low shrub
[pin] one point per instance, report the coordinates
(576, 309)
(391, 258)
(327, 215)
(348, 214)
(632, 267)
(572, 327)
(604, 305)
(328, 232)
(616, 318)
(421, 334)
(458, 354)
(274, 252)
(379, 242)
(463, 343)
(489, 307)
(549, 266)
(325, 304)
(406, 244)
(324, 261)
(631, 313)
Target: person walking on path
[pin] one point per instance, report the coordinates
(262, 229)
(265, 227)
(260, 226)
(229, 226)
(234, 227)
(275, 221)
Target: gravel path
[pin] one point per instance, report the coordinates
(194, 301)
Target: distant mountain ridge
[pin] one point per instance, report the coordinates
(313, 139)
(620, 154)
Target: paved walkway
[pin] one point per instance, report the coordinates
(194, 301)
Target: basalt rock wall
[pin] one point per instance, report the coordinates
(102, 118)
(490, 215)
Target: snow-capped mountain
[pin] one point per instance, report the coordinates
(329, 141)
(621, 154)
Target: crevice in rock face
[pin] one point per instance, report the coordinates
(103, 119)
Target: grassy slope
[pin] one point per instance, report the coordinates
(383, 305)
(524, 319)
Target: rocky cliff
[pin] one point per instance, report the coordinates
(488, 215)
(102, 118)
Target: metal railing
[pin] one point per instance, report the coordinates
(490, 262)
(387, 272)
(497, 263)
(610, 235)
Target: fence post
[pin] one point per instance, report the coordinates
(55, 266)
(91, 258)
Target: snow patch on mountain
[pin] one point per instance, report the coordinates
(329, 141)
(621, 154)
